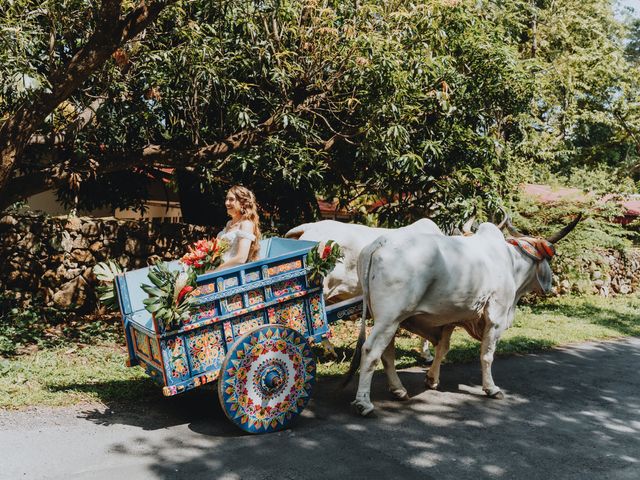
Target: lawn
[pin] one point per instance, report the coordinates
(80, 373)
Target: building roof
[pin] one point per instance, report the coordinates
(548, 194)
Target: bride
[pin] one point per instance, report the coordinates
(243, 230)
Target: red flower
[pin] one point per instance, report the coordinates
(185, 290)
(204, 254)
(326, 251)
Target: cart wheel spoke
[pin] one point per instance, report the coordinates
(267, 379)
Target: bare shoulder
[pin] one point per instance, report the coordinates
(246, 226)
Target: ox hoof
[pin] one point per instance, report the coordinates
(364, 409)
(497, 395)
(431, 383)
(401, 395)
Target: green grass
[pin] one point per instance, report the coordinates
(77, 374)
(71, 375)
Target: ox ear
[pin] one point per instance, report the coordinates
(543, 276)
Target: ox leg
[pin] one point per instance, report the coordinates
(425, 353)
(389, 361)
(442, 348)
(487, 350)
(372, 349)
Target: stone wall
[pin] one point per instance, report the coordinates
(50, 259)
(614, 273)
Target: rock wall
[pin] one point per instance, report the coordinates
(50, 259)
(613, 273)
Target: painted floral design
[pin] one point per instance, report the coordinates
(206, 349)
(285, 267)
(288, 286)
(315, 306)
(176, 358)
(255, 297)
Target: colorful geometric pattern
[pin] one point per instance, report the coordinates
(220, 295)
(288, 286)
(267, 379)
(285, 267)
(193, 382)
(242, 325)
(228, 332)
(206, 349)
(206, 311)
(290, 315)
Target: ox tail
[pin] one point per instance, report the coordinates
(357, 354)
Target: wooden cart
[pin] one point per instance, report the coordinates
(252, 333)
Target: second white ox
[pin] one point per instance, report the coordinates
(430, 284)
(342, 282)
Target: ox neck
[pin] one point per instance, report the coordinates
(524, 271)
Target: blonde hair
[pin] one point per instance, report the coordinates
(249, 211)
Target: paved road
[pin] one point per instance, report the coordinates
(572, 413)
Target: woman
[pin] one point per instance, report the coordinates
(243, 230)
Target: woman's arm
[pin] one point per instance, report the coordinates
(244, 245)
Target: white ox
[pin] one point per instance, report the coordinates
(431, 284)
(342, 283)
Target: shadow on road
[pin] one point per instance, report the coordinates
(570, 414)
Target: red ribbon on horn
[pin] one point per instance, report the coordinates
(536, 248)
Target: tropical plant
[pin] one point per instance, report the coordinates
(169, 300)
(105, 273)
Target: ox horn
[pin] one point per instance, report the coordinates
(503, 223)
(513, 231)
(466, 228)
(556, 237)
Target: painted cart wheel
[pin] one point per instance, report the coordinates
(267, 378)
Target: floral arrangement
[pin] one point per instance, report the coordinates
(205, 255)
(321, 260)
(169, 295)
(169, 299)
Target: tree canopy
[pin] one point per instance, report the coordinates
(438, 107)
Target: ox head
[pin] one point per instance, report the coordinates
(541, 250)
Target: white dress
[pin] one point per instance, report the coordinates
(233, 237)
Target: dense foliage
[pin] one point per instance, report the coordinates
(436, 107)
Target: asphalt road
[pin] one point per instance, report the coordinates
(572, 413)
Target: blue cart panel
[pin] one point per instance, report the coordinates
(274, 290)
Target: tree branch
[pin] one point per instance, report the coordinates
(111, 32)
(83, 119)
(160, 156)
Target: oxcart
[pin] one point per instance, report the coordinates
(251, 333)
